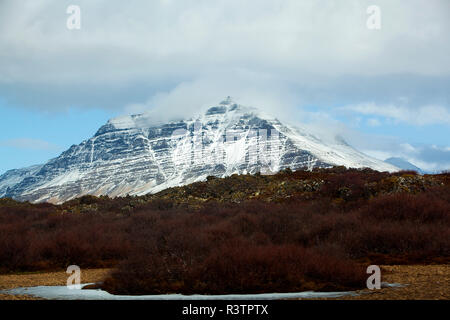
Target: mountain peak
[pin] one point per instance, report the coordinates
(131, 155)
(227, 101)
(229, 105)
(223, 107)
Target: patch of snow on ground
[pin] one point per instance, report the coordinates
(64, 293)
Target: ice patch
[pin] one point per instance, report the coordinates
(64, 293)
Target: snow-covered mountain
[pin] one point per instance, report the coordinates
(130, 155)
(12, 177)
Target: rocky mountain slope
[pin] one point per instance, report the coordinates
(131, 155)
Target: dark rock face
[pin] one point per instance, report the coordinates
(129, 155)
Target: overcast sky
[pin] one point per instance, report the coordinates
(311, 62)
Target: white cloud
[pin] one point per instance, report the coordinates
(129, 53)
(190, 98)
(29, 144)
(423, 115)
(373, 122)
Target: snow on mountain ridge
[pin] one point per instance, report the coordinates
(129, 155)
(12, 177)
(145, 120)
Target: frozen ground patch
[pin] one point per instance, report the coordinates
(64, 293)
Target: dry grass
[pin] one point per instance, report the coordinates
(425, 282)
(57, 278)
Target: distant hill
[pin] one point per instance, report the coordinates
(403, 164)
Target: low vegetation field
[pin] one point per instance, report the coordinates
(292, 231)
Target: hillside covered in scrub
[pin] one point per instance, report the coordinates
(338, 184)
(292, 231)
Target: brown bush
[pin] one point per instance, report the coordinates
(237, 267)
(424, 208)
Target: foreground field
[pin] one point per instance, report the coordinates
(425, 282)
(290, 232)
(56, 278)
